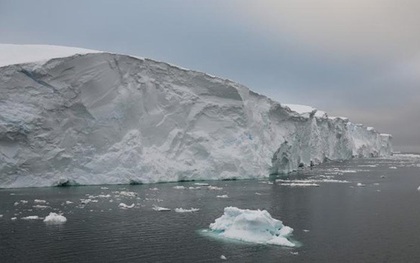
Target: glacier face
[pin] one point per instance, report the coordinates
(103, 118)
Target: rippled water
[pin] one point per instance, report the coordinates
(373, 217)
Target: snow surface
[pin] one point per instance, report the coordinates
(256, 226)
(54, 218)
(103, 118)
(16, 54)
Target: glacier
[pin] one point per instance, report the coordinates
(74, 116)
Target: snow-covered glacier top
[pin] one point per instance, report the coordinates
(98, 118)
(16, 54)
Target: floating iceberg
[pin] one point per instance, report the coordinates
(182, 210)
(31, 218)
(54, 218)
(82, 117)
(256, 226)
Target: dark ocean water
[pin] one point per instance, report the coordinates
(378, 221)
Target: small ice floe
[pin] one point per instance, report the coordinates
(258, 193)
(361, 185)
(104, 188)
(39, 201)
(160, 209)
(180, 187)
(54, 218)
(299, 184)
(182, 210)
(31, 218)
(16, 203)
(13, 218)
(222, 196)
(124, 206)
(392, 167)
(69, 202)
(40, 206)
(382, 176)
(306, 230)
(376, 184)
(294, 253)
(223, 257)
(202, 184)
(128, 194)
(194, 188)
(104, 196)
(154, 189)
(1, 216)
(85, 201)
(418, 188)
(256, 226)
(23, 201)
(368, 165)
(210, 187)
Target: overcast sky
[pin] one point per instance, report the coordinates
(354, 58)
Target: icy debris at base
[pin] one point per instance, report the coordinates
(103, 118)
(124, 206)
(223, 257)
(104, 188)
(125, 193)
(311, 181)
(54, 218)
(182, 210)
(38, 201)
(299, 184)
(179, 187)
(256, 226)
(31, 218)
(222, 196)
(160, 209)
(154, 189)
(202, 184)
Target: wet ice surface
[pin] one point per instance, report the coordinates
(337, 221)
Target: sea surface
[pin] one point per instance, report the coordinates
(363, 210)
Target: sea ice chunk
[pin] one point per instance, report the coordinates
(160, 209)
(54, 218)
(256, 226)
(124, 206)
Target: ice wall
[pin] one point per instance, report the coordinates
(113, 119)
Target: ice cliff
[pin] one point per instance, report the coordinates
(101, 118)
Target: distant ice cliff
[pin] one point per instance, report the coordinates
(100, 118)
